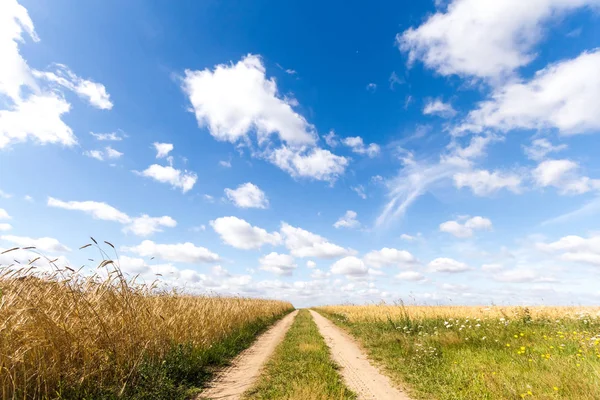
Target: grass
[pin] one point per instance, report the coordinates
(481, 352)
(301, 367)
(70, 336)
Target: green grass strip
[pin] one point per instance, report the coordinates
(301, 367)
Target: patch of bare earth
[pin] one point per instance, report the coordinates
(231, 382)
(356, 370)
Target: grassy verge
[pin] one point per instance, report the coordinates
(508, 357)
(301, 367)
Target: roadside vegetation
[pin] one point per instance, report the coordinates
(71, 336)
(301, 367)
(481, 352)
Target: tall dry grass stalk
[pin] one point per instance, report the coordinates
(64, 330)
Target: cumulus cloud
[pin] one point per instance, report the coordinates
(562, 174)
(410, 276)
(95, 93)
(448, 265)
(4, 214)
(184, 180)
(234, 99)
(347, 220)
(37, 118)
(484, 183)
(240, 234)
(517, 276)
(247, 195)
(314, 163)
(303, 243)
(162, 149)
(388, 256)
(563, 96)
(44, 243)
(360, 191)
(179, 252)
(439, 108)
(5, 227)
(143, 225)
(575, 248)
(350, 266)
(357, 146)
(311, 264)
(540, 148)
(280, 264)
(466, 229)
(485, 39)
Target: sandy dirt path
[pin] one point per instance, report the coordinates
(360, 376)
(233, 381)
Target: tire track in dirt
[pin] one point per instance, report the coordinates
(231, 382)
(360, 376)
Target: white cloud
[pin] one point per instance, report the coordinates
(484, 183)
(448, 265)
(407, 237)
(540, 148)
(357, 145)
(410, 276)
(235, 99)
(316, 163)
(482, 38)
(439, 108)
(395, 80)
(5, 227)
(146, 225)
(162, 149)
(184, 180)
(240, 234)
(101, 155)
(112, 153)
(97, 210)
(179, 252)
(44, 243)
(575, 249)
(248, 195)
(143, 225)
(302, 244)
(389, 256)
(562, 96)
(28, 198)
(95, 93)
(280, 264)
(466, 229)
(360, 191)
(225, 164)
(371, 87)
(4, 214)
(311, 264)
(14, 71)
(111, 136)
(4, 195)
(562, 174)
(348, 220)
(37, 118)
(351, 266)
(331, 139)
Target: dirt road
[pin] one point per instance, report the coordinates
(360, 376)
(233, 381)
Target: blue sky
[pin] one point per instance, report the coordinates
(428, 151)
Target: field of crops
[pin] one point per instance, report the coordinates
(481, 352)
(65, 335)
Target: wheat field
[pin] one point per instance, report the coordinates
(68, 335)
